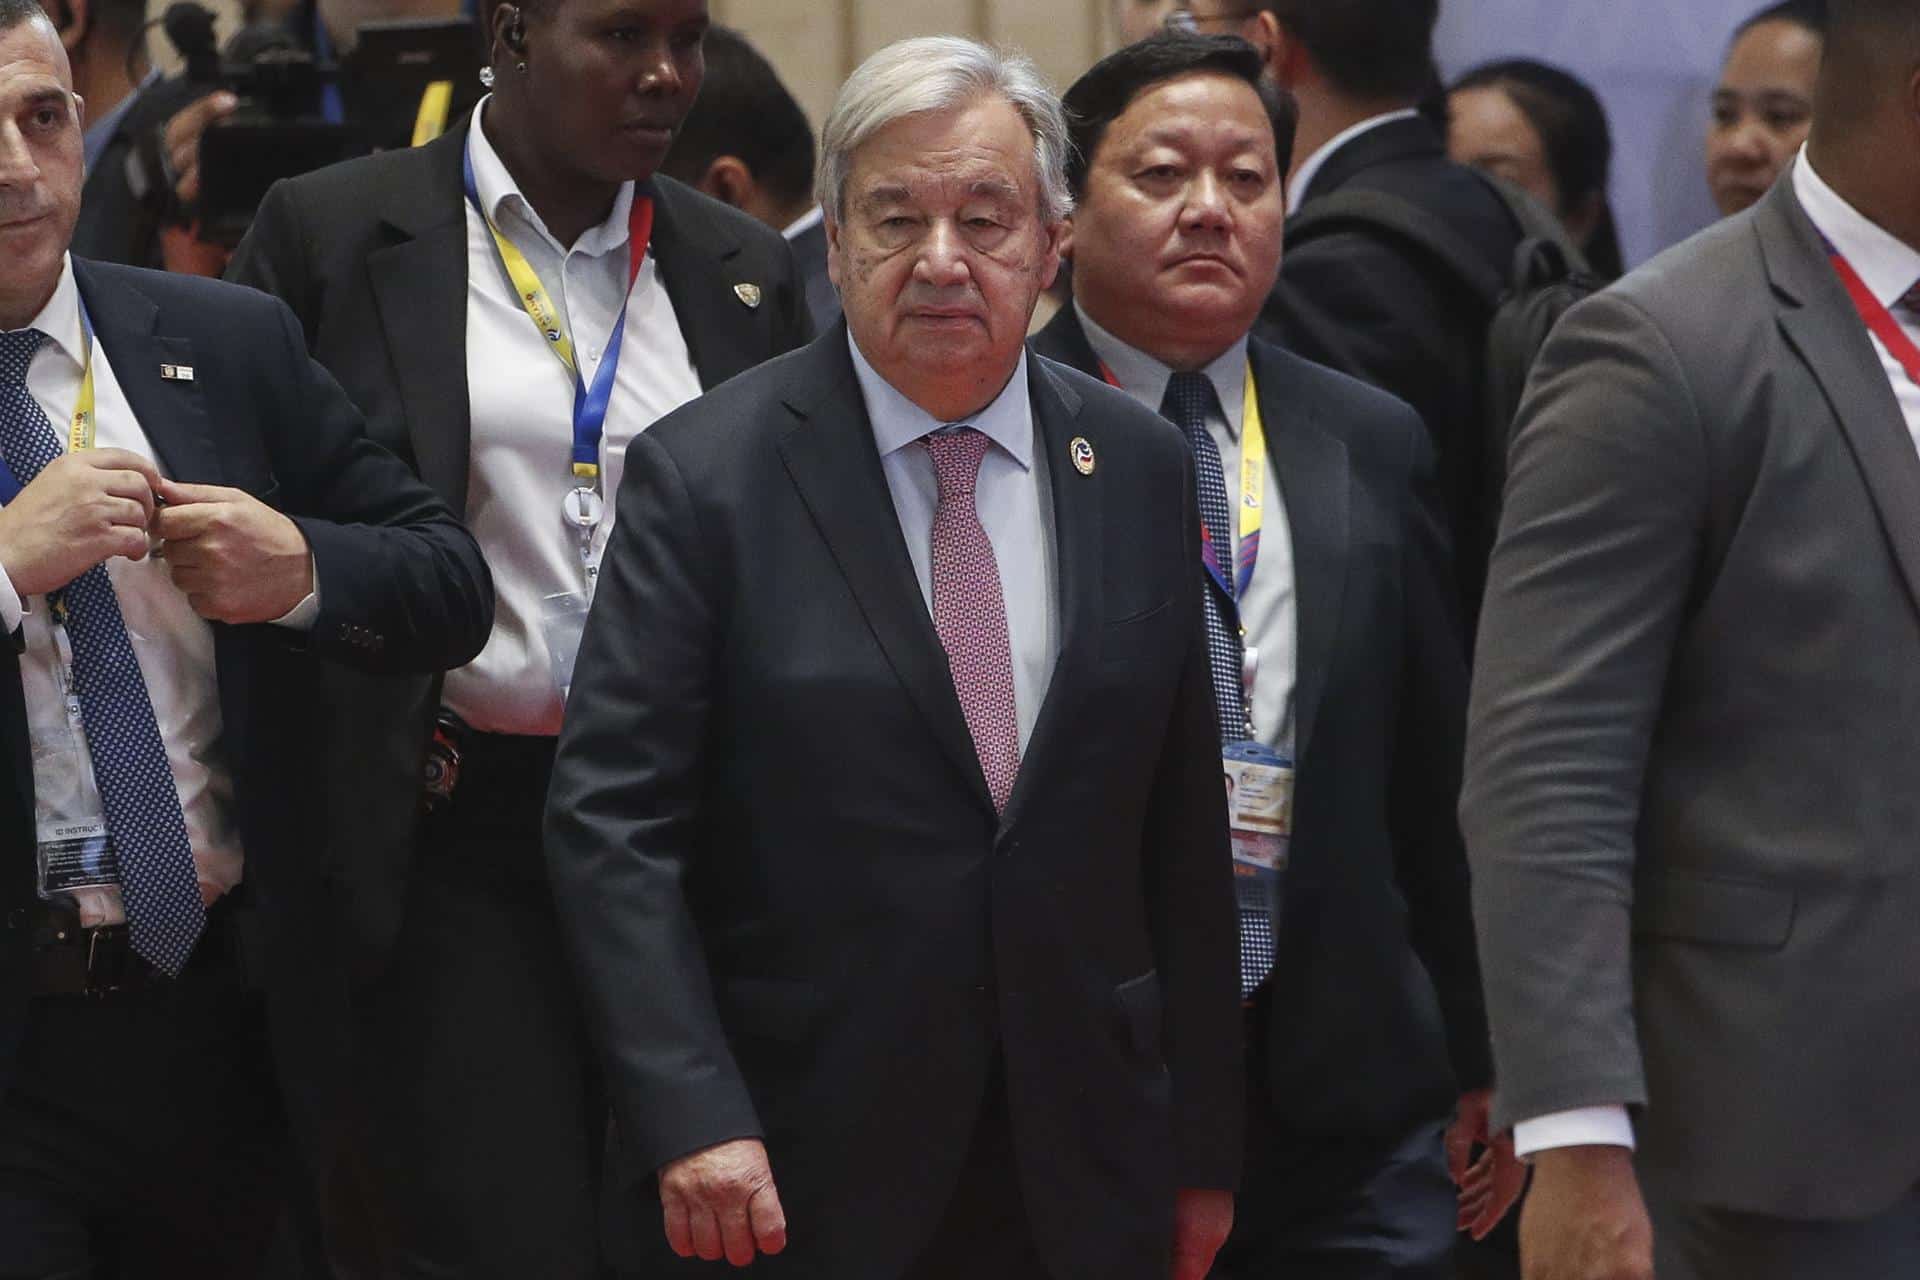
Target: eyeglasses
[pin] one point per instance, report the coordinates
(1186, 20)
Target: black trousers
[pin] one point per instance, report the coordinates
(142, 1137)
(985, 1232)
(1699, 1242)
(1335, 1209)
(488, 1116)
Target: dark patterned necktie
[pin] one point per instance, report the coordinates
(149, 833)
(1189, 400)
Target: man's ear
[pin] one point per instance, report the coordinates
(1066, 238)
(729, 180)
(1285, 56)
(832, 229)
(72, 19)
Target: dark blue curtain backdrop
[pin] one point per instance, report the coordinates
(1653, 64)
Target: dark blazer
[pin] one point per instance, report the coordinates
(1689, 794)
(1377, 1021)
(372, 257)
(402, 588)
(1384, 312)
(783, 878)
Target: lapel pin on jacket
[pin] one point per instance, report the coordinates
(1082, 454)
(749, 294)
(176, 372)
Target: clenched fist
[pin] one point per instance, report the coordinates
(82, 509)
(721, 1202)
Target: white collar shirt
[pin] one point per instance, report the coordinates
(521, 414)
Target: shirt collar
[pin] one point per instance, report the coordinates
(59, 319)
(805, 222)
(898, 421)
(500, 197)
(1145, 378)
(1888, 265)
(1310, 168)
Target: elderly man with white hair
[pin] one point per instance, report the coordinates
(887, 825)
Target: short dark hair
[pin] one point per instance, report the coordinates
(1103, 94)
(1375, 50)
(1572, 125)
(15, 12)
(1809, 14)
(1869, 44)
(744, 110)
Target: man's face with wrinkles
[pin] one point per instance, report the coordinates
(40, 165)
(943, 252)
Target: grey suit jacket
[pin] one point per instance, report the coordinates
(1690, 799)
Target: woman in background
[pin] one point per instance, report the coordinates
(1545, 131)
(1763, 102)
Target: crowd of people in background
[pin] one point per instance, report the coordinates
(644, 687)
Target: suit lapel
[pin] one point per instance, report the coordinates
(1311, 467)
(1078, 538)
(171, 411)
(698, 266)
(419, 287)
(831, 458)
(1822, 325)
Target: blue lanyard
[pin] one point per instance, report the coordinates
(332, 108)
(590, 401)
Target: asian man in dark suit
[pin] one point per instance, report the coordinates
(1689, 799)
(481, 1087)
(887, 826)
(1364, 1021)
(206, 529)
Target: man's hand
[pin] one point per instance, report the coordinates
(1491, 1185)
(721, 1202)
(180, 140)
(1584, 1219)
(1201, 1222)
(235, 558)
(83, 508)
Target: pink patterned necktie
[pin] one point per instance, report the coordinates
(969, 612)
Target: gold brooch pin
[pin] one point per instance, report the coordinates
(748, 293)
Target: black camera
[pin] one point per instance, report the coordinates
(298, 112)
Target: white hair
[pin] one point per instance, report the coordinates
(941, 73)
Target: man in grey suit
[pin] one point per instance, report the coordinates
(1690, 801)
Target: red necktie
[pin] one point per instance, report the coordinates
(969, 612)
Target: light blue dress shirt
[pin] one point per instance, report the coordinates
(1015, 507)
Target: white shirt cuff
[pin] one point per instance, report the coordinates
(12, 607)
(1607, 1126)
(303, 615)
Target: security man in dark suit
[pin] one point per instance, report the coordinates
(1327, 578)
(512, 305)
(193, 525)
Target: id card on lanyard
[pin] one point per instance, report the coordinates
(74, 855)
(1258, 779)
(583, 509)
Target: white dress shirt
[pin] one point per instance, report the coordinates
(1889, 267)
(521, 401)
(804, 223)
(1310, 167)
(172, 644)
(1015, 508)
(1269, 611)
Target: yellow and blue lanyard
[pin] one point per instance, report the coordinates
(80, 430)
(589, 400)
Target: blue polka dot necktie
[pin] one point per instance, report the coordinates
(1189, 400)
(164, 912)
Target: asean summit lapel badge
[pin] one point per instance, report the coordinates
(1082, 454)
(749, 294)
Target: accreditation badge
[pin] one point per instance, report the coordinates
(563, 620)
(1259, 783)
(74, 851)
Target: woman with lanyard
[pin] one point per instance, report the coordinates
(509, 304)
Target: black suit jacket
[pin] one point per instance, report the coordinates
(1377, 1014)
(810, 253)
(1383, 311)
(372, 257)
(402, 588)
(780, 870)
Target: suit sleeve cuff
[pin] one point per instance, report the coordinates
(1607, 1126)
(303, 615)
